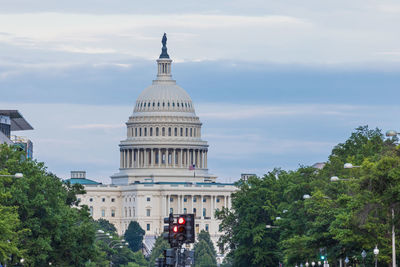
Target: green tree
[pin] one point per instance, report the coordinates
(160, 245)
(57, 231)
(204, 251)
(134, 236)
(106, 226)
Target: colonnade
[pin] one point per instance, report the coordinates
(190, 206)
(163, 158)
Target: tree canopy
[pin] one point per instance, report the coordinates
(134, 236)
(204, 251)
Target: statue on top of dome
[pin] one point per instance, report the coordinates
(164, 53)
(164, 40)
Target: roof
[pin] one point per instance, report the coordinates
(18, 123)
(81, 181)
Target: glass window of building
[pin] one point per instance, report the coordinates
(91, 199)
(112, 213)
(194, 211)
(207, 227)
(113, 200)
(217, 199)
(184, 210)
(171, 199)
(204, 199)
(204, 212)
(91, 210)
(194, 199)
(103, 212)
(184, 199)
(171, 210)
(148, 212)
(103, 200)
(148, 227)
(148, 199)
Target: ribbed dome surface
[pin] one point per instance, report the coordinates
(164, 96)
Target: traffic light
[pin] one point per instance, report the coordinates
(170, 256)
(322, 257)
(190, 234)
(168, 228)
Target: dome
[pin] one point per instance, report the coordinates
(164, 95)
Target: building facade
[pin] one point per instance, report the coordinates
(163, 164)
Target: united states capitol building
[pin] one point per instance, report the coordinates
(163, 164)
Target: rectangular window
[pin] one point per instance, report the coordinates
(184, 210)
(171, 199)
(194, 211)
(91, 210)
(112, 213)
(204, 212)
(148, 199)
(103, 199)
(171, 210)
(103, 213)
(113, 200)
(207, 227)
(148, 227)
(194, 199)
(184, 199)
(204, 200)
(217, 199)
(148, 212)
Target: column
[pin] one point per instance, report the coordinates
(163, 206)
(145, 159)
(201, 210)
(166, 157)
(205, 161)
(153, 162)
(212, 207)
(121, 159)
(181, 158)
(187, 158)
(229, 202)
(179, 204)
(135, 158)
(225, 201)
(159, 157)
(168, 203)
(173, 157)
(198, 158)
(191, 206)
(183, 203)
(124, 158)
(129, 159)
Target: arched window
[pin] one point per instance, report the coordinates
(173, 104)
(190, 132)
(135, 131)
(151, 131)
(194, 211)
(176, 131)
(181, 131)
(177, 104)
(186, 131)
(158, 104)
(140, 131)
(154, 104)
(169, 131)
(130, 212)
(126, 213)
(163, 131)
(168, 104)
(163, 104)
(145, 131)
(194, 132)
(157, 133)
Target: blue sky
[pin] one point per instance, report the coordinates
(276, 84)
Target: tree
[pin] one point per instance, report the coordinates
(106, 226)
(54, 229)
(204, 251)
(160, 245)
(134, 236)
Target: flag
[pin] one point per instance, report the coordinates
(192, 167)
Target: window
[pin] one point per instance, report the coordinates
(186, 131)
(151, 130)
(171, 210)
(148, 227)
(169, 131)
(204, 212)
(217, 199)
(157, 131)
(194, 199)
(91, 210)
(126, 212)
(103, 200)
(176, 131)
(113, 200)
(184, 210)
(148, 199)
(181, 131)
(145, 131)
(135, 131)
(190, 132)
(204, 200)
(113, 213)
(194, 132)
(103, 212)
(184, 199)
(194, 211)
(79, 199)
(140, 131)
(130, 212)
(171, 199)
(207, 227)
(148, 212)
(91, 199)
(163, 131)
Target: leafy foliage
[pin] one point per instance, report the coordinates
(158, 250)
(204, 251)
(134, 236)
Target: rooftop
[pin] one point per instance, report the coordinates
(18, 123)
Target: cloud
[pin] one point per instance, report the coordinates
(96, 126)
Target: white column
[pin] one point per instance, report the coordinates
(191, 206)
(152, 157)
(145, 159)
(163, 206)
(166, 157)
(181, 158)
(201, 214)
(124, 158)
(198, 158)
(187, 158)
(129, 158)
(179, 204)
(229, 202)
(205, 161)
(168, 203)
(159, 157)
(135, 156)
(121, 159)
(183, 203)
(212, 207)
(173, 157)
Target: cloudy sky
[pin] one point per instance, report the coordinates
(275, 83)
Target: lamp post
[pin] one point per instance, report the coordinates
(346, 261)
(363, 255)
(376, 252)
(17, 175)
(313, 263)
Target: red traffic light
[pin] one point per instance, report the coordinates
(175, 229)
(181, 220)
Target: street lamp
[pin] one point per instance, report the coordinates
(307, 264)
(391, 133)
(376, 252)
(319, 263)
(313, 263)
(17, 175)
(306, 196)
(346, 260)
(363, 255)
(350, 166)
